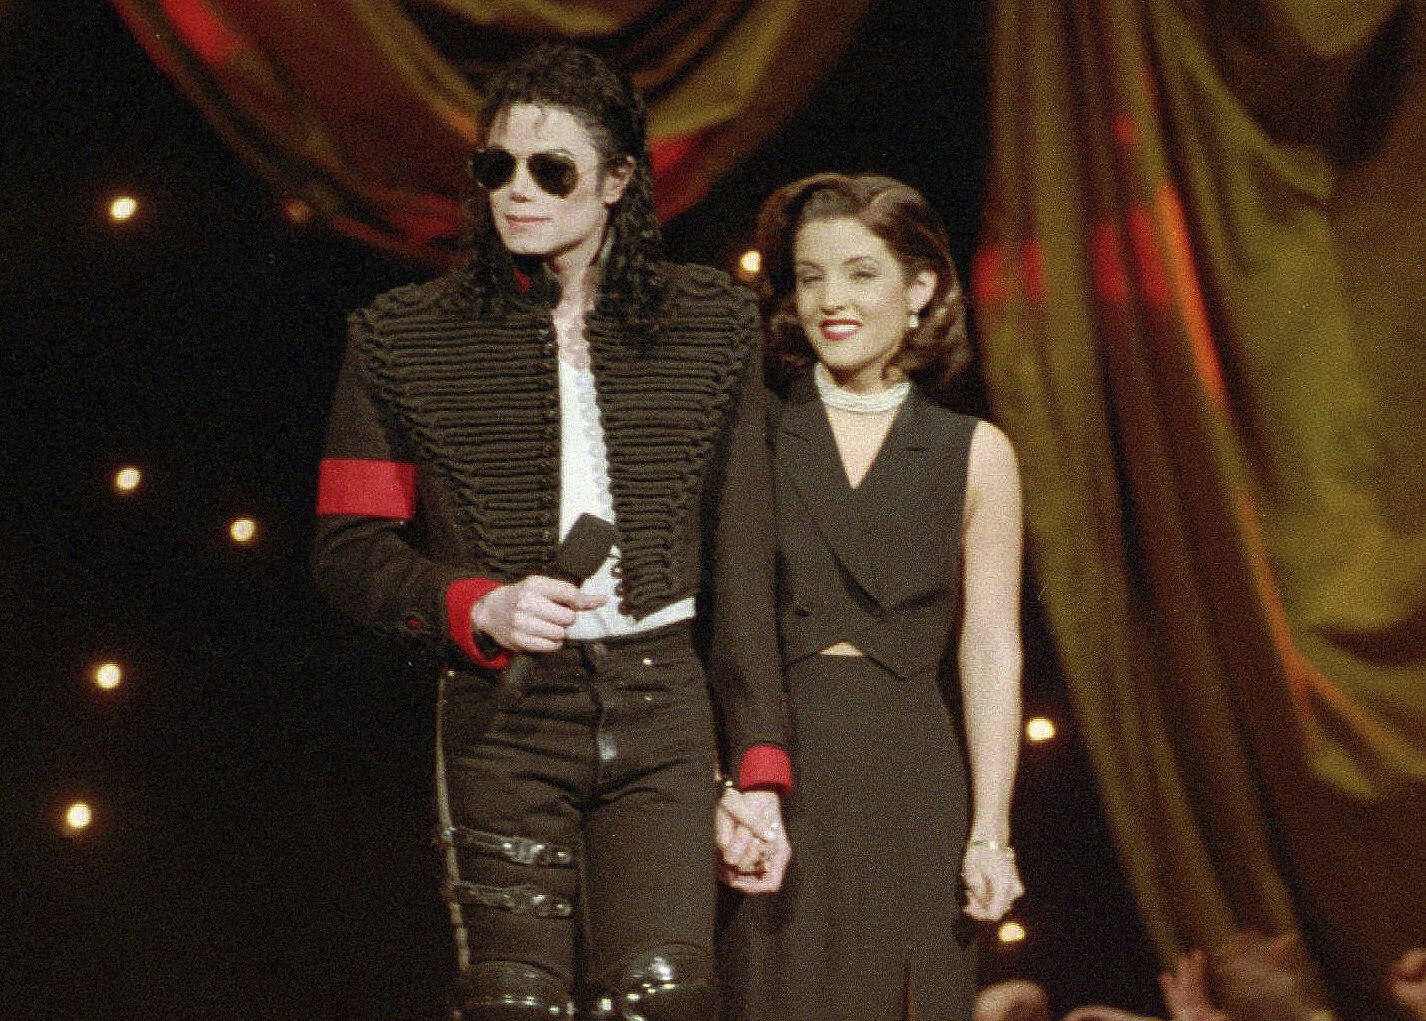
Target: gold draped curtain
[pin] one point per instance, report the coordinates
(361, 111)
(1202, 289)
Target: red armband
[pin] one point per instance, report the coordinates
(377, 489)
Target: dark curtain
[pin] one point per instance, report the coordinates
(361, 111)
(1202, 288)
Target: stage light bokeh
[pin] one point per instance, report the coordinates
(77, 818)
(1039, 729)
(123, 208)
(297, 212)
(127, 479)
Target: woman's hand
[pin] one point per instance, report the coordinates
(753, 849)
(991, 878)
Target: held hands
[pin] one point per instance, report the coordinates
(753, 849)
(991, 878)
(532, 614)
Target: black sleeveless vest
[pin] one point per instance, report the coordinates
(878, 566)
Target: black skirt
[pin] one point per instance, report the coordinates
(868, 925)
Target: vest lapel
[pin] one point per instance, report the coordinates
(807, 457)
(899, 469)
(908, 489)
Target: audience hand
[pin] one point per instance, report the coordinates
(1186, 990)
(1407, 978)
(1256, 976)
(1012, 1000)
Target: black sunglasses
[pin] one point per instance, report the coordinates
(493, 167)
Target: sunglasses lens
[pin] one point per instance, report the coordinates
(554, 173)
(492, 168)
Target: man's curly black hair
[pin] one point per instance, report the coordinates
(604, 101)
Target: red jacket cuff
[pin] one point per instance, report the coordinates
(765, 765)
(461, 596)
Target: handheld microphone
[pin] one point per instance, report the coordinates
(578, 555)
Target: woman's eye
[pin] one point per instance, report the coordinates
(807, 279)
(863, 274)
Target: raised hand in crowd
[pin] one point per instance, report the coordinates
(1407, 980)
(1185, 990)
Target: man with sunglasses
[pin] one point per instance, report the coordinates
(567, 370)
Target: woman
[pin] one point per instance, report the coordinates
(899, 565)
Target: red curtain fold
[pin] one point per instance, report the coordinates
(362, 110)
(1203, 358)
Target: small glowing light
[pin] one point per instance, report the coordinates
(108, 676)
(123, 208)
(1040, 728)
(751, 262)
(243, 530)
(127, 479)
(77, 817)
(297, 212)
(1011, 932)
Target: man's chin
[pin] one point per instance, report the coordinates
(527, 246)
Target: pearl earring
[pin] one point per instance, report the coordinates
(914, 321)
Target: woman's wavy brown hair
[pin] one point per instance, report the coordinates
(938, 349)
(605, 102)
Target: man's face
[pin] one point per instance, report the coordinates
(530, 218)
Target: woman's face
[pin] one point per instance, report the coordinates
(854, 300)
(532, 220)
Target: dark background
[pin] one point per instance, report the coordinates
(261, 778)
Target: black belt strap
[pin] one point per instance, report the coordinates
(520, 850)
(519, 900)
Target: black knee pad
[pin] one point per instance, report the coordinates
(510, 991)
(670, 983)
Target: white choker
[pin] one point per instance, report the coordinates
(879, 403)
